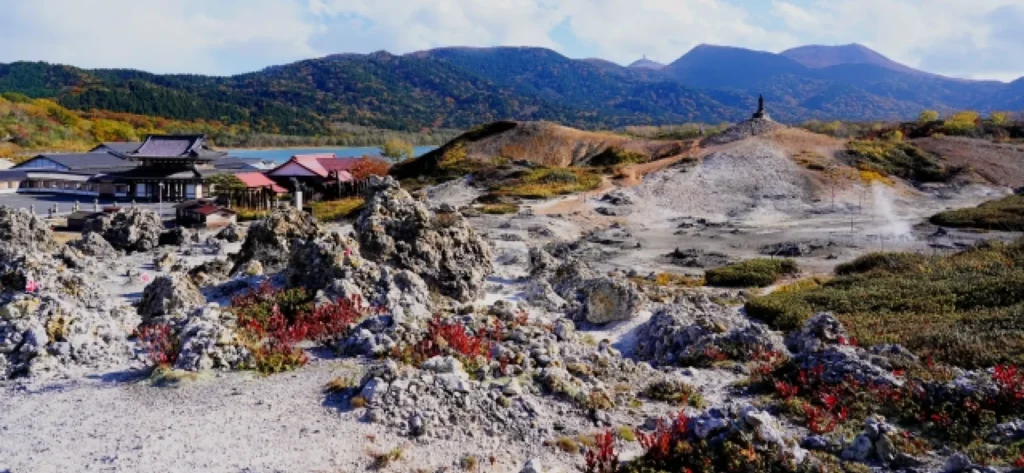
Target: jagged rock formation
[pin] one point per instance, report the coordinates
(52, 320)
(569, 282)
(823, 342)
(93, 244)
(232, 233)
(684, 332)
(133, 229)
(209, 340)
(269, 241)
(170, 296)
(25, 231)
(179, 236)
(743, 130)
(441, 247)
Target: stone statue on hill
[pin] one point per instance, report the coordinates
(760, 114)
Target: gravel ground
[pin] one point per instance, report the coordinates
(231, 422)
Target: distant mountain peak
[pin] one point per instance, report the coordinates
(817, 56)
(644, 63)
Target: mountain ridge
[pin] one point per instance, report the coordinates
(459, 87)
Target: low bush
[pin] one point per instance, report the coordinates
(674, 392)
(1006, 214)
(273, 321)
(962, 309)
(899, 159)
(618, 157)
(758, 272)
(499, 209)
(334, 210)
(542, 183)
(160, 344)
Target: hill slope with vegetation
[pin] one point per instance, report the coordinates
(462, 87)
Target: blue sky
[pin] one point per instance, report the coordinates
(963, 38)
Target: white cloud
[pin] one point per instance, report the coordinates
(155, 35)
(665, 29)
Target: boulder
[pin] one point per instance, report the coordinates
(232, 233)
(178, 236)
(611, 300)
(170, 296)
(209, 340)
(270, 240)
(440, 247)
(685, 332)
(54, 320)
(210, 272)
(133, 229)
(25, 231)
(93, 244)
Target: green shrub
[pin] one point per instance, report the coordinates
(617, 157)
(542, 183)
(1005, 214)
(963, 309)
(889, 262)
(900, 159)
(499, 209)
(758, 272)
(334, 210)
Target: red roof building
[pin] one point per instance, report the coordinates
(326, 168)
(257, 180)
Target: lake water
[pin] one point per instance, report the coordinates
(283, 154)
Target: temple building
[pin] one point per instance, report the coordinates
(162, 167)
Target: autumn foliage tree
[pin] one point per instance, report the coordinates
(368, 166)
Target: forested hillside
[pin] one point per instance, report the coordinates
(457, 88)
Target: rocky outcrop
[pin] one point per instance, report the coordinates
(169, 297)
(93, 244)
(334, 265)
(179, 236)
(210, 272)
(209, 340)
(232, 233)
(686, 332)
(54, 320)
(395, 229)
(823, 342)
(20, 229)
(270, 240)
(611, 300)
(133, 229)
(743, 130)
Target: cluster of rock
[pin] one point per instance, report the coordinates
(133, 229)
(503, 394)
(683, 333)
(441, 401)
(209, 340)
(743, 130)
(170, 296)
(823, 342)
(269, 241)
(441, 247)
(332, 264)
(52, 320)
(568, 284)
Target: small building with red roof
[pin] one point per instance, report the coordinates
(318, 173)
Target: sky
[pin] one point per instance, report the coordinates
(979, 39)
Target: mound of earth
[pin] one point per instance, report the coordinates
(753, 178)
(541, 143)
(744, 130)
(996, 163)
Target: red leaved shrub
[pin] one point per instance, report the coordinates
(161, 345)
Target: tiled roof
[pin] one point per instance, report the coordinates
(210, 209)
(122, 147)
(236, 163)
(83, 161)
(13, 175)
(175, 146)
(254, 180)
(324, 164)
